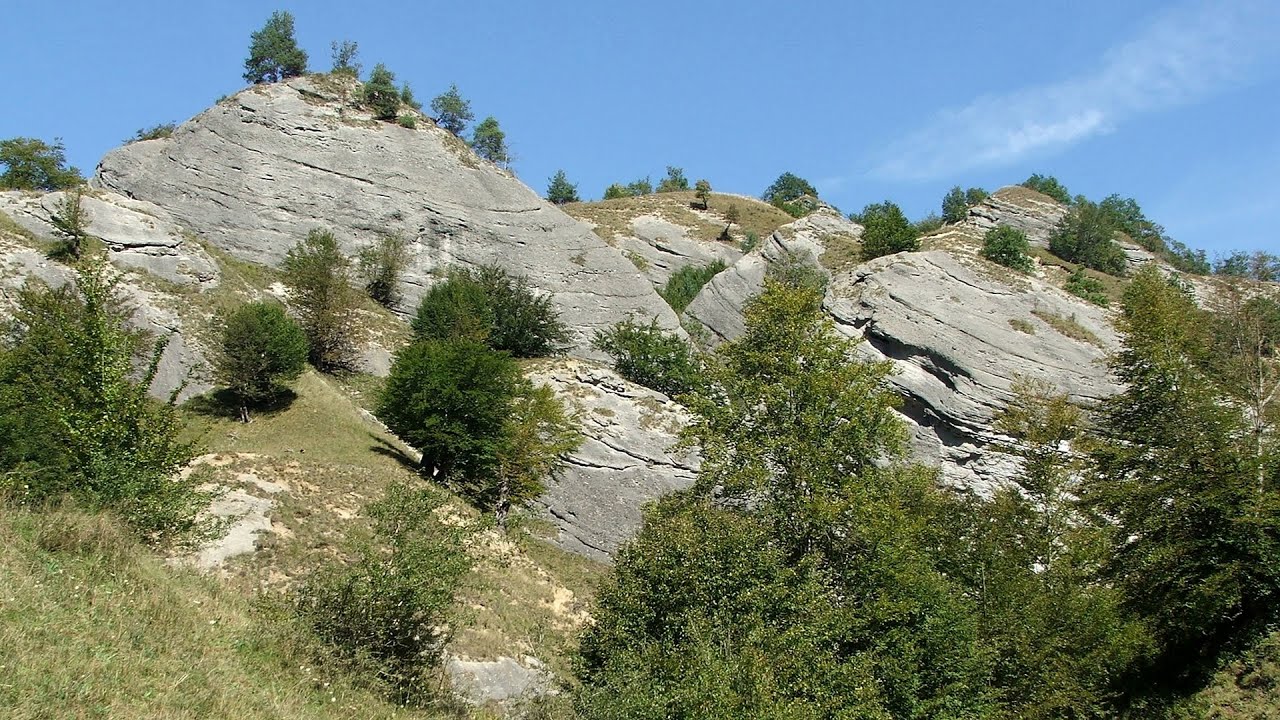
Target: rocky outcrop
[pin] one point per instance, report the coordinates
(506, 682)
(660, 248)
(824, 240)
(625, 461)
(256, 172)
(183, 365)
(959, 338)
(1018, 207)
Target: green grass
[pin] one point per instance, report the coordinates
(93, 625)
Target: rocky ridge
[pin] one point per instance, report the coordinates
(256, 172)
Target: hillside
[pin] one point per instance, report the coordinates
(199, 223)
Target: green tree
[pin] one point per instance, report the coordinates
(885, 230)
(1089, 288)
(1195, 501)
(702, 191)
(790, 581)
(274, 54)
(71, 221)
(787, 189)
(451, 400)
(539, 433)
(318, 276)
(491, 306)
(650, 356)
(407, 99)
(640, 188)
(560, 190)
(452, 111)
(381, 265)
(1008, 247)
(490, 142)
(1085, 235)
(31, 164)
(76, 420)
(261, 352)
(380, 93)
(615, 191)
(344, 56)
(675, 181)
(1048, 185)
(957, 201)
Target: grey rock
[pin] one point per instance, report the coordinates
(666, 247)
(504, 681)
(626, 459)
(1018, 207)
(949, 331)
(253, 174)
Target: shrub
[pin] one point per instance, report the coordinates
(1086, 236)
(732, 214)
(926, 224)
(452, 111)
(750, 242)
(702, 191)
(380, 93)
(491, 306)
(675, 181)
(389, 613)
(450, 399)
(885, 230)
(155, 132)
(640, 188)
(31, 164)
(683, 285)
(407, 121)
(318, 277)
(381, 265)
(274, 54)
(957, 201)
(1007, 246)
(1048, 185)
(798, 269)
(615, 191)
(1090, 289)
(344, 58)
(560, 190)
(75, 417)
(262, 350)
(649, 356)
(490, 142)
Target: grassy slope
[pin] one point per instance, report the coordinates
(613, 217)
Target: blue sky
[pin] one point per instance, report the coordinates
(1175, 104)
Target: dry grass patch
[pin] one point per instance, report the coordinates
(613, 218)
(1068, 326)
(841, 251)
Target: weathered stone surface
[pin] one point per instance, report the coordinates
(665, 247)
(1018, 207)
(626, 459)
(134, 233)
(255, 173)
(182, 367)
(953, 335)
(809, 240)
(504, 681)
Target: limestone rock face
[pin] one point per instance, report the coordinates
(959, 338)
(825, 240)
(626, 459)
(664, 247)
(253, 174)
(1022, 208)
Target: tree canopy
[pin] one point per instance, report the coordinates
(274, 54)
(32, 164)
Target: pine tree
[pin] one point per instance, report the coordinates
(490, 142)
(274, 54)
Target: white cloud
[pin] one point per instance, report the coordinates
(1182, 56)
